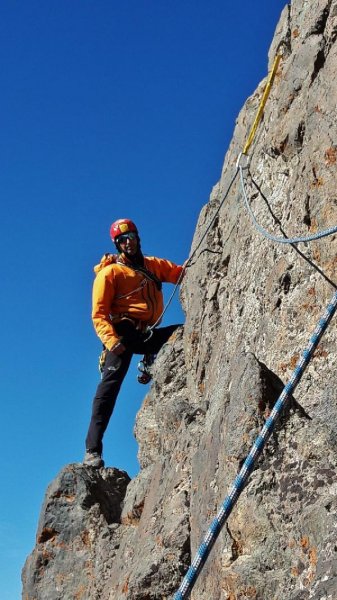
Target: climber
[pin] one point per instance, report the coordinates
(127, 300)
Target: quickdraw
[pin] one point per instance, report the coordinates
(144, 368)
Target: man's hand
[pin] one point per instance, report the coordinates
(183, 273)
(118, 349)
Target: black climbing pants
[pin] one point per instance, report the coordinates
(115, 369)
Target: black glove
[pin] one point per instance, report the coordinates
(129, 334)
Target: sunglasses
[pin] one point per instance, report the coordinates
(126, 236)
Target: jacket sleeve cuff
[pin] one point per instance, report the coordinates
(112, 342)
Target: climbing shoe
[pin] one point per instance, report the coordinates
(93, 459)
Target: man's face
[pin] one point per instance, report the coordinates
(128, 243)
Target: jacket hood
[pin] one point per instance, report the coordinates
(107, 259)
(110, 259)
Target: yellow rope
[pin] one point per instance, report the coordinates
(262, 104)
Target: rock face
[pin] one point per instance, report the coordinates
(78, 535)
(251, 306)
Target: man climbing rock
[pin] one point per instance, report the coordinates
(127, 300)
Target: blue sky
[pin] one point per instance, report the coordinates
(108, 109)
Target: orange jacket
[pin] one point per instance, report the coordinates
(120, 291)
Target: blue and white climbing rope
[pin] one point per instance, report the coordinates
(259, 444)
(274, 238)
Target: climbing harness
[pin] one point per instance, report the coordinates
(259, 444)
(146, 333)
(143, 366)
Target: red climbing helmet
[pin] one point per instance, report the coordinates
(122, 226)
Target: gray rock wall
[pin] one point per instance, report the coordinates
(78, 535)
(251, 306)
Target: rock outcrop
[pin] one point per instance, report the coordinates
(251, 306)
(78, 535)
